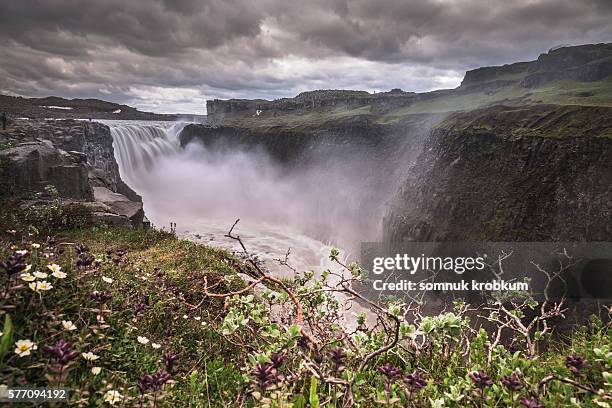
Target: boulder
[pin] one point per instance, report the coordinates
(112, 219)
(120, 205)
(34, 165)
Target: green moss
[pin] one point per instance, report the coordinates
(545, 121)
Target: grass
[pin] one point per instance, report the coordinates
(572, 93)
(136, 300)
(309, 120)
(543, 121)
(155, 278)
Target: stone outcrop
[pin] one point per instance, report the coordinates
(119, 205)
(76, 158)
(34, 165)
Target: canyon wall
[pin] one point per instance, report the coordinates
(510, 174)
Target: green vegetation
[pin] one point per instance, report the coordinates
(130, 298)
(141, 318)
(308, 120)
(561, 93)
(544, 121)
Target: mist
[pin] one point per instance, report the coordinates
(338, 200)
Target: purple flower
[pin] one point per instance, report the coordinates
(101, 297)
(531, 402)
(81, 248)
(14, 264)
(415, 382)
(277, 360)
(265, 376)
(481, 379)
(390, 371)
(575, 363)
(338, 357)
(512, 382)
(61, 353)
(85, 260)
(170, 360)
(153, 382)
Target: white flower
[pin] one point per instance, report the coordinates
(40, 286)
(24, 347)
(107, 279)
(96, 370)
(40, 275)
(112, 397)
(28, 268)
(11, 232)
(185, 316)
(142, 339)
(155, 345)
(22, 252)
(54, 267)
(35, 246)
(197, 318)
(27, 277)
(68, 325)
(89, 356)
(59, 275)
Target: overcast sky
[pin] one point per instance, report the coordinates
(173, 55)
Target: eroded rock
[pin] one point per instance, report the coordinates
(120, 205)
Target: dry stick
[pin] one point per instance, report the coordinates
(266, 277)
(569, 381)
(395, 340)
(228, 294)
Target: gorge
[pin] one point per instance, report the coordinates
(516, 153)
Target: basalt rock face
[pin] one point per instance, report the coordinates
(585, 63)
(35, 165)
(478, 180)
(218, 110)
(296, 145)
(75, 157)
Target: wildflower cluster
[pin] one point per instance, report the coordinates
(267, 375)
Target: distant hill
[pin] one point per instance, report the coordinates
(56, 107)
(567, 75)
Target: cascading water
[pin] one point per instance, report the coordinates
(138, 146)
(191, 189)
(205, 193)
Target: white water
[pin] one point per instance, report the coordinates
(204, 194)
(138, 146)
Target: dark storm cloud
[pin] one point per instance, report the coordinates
(162, 54)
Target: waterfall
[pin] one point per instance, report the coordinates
(138, 146)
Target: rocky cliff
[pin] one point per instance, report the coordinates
(586, 63)
(542, 173)
(76, 158)
(516, 152)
